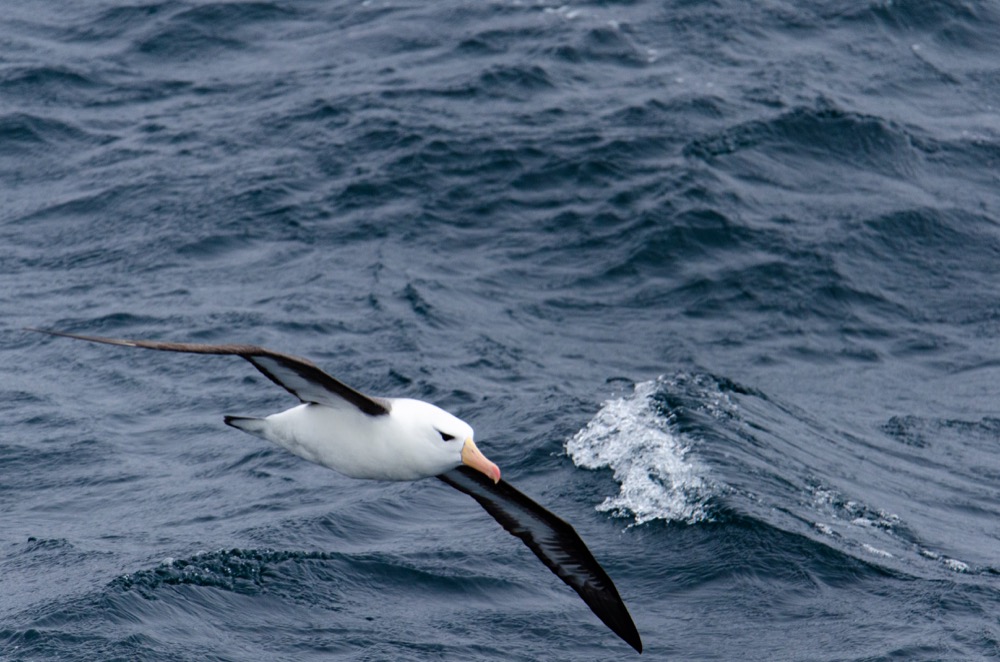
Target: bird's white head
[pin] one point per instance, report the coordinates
(449, 437)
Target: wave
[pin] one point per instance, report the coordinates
(658, 476)
(695, 449)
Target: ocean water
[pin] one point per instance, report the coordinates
(716, 282)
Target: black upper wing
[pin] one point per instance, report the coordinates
(553, 541)
(298, 376)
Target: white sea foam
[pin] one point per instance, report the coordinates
(956, 565)
(659, 479)
(876, 551)
(952, 564)
(838, 507)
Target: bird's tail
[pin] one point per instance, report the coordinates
(256, 426)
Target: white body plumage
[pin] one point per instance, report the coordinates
(414, 440)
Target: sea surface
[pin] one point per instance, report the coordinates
(716, 282)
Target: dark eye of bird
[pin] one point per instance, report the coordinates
(445, 436)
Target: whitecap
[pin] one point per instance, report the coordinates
(652, 463)
(876, 551)
(956, 565)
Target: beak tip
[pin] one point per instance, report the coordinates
(471, 457)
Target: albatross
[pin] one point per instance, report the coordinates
(363, 436)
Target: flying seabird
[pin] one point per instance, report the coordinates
(403, 439)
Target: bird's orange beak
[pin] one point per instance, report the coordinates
(471, 457)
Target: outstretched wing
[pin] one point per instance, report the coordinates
(298, 376)
(553, 541)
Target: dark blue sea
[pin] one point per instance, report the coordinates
(716, 282)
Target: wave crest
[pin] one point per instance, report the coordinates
(651, 461)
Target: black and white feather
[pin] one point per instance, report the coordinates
(403, 439)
